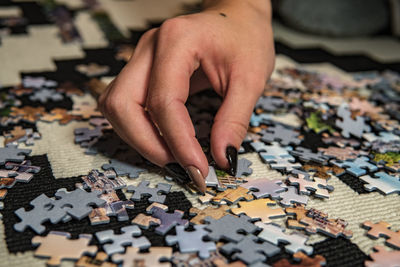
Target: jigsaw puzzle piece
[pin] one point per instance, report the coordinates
(215, 213)
(231, 196)
(281, 134)
(357, 167)
(145, 221)
(143, 189)
(192, 241)
(126, 238)
(124, 168)
(77, 202)
(132, 257)
(262, 188)
(305, 261)
(259, 209)
(295, 242)
(383, 258)
(13, 153)
(249, 250)
(228, 228)
(98, 261)
(45, 209)
(243, 168)
(21, 172)
(168, 220)
(59, 246)
(291, 196)
(318, 186)
(382, 229)
(384, 182)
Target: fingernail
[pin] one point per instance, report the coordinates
(232, 157)
(197, 178)
(178, 172)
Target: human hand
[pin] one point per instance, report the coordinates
(229, 47)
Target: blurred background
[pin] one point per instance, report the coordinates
(353, 35)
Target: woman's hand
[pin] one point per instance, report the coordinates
(229, 47)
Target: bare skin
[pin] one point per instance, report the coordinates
(229, 47)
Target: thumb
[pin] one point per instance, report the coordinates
(232, 120)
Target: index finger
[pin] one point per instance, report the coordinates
(167, 94)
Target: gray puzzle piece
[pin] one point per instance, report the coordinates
(275, 235)
(384, 182)
(249, 250)
(243, 168)
(12, 153)
(348, 125)
(192, 241)
(357, 167)
(291, 196)
(284, 163)
(212, 179)
(281, 134)
(77, 203)
(126, 238)
(265, 188)
(270, 104)
(144, 190)
(86, 134)
(168, 220)
(123, 168)
(228, 227)
(306, 155)
(45, 95)
(274, 149)
(37, 82)
(44, 210)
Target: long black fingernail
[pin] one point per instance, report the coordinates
(232, 157)
(177, 172)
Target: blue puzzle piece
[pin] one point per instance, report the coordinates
(385, 183)
(256, 119)
(357, 167)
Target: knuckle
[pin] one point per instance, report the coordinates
(147, 36)
(110, 106)
(171, 28)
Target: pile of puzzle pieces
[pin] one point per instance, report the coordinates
(307, 126)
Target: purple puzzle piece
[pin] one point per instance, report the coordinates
(168, 220)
